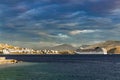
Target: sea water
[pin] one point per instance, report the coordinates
(83, 70)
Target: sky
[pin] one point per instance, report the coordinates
(41, 23)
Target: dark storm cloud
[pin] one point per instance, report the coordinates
(67, 21)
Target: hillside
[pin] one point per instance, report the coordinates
(110, 46)
(105, 44)
(63, 47)
(60, 49)
(2, 46)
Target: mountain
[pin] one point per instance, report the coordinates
(105, 44)
(116, 50)
(63, 47)
(84, 46)
(2, 46)
(7, 46)
(110, 46)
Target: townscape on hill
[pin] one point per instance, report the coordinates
(107, 47)
(9, 49)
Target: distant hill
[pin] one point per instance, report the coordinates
(110, 46)
(84, 46)
(63, 47)
(2, 46)
(109, 43)
(7, 46)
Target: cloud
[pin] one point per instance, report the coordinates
(46, 34)
(75, 32)
(55, 36)
(94, 0)
(30, 13)
(101, 7)
(40, 12)
(59, 21)
(100, 19)
(72, 24)
(63, 36)
(115, 12)
(75, 14)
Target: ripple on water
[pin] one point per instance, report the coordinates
(62, 71)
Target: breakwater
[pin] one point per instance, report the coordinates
(3, 60)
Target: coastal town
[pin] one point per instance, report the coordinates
(106, 47)
(8, 49)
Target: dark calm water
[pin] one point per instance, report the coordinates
(66, 67)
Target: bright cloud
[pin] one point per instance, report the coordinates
(63, 36)
(69, 24)
(75, 32)
(115, 12)
(74, 14)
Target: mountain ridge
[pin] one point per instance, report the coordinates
(63, 47)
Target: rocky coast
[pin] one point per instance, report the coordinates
(3, 60)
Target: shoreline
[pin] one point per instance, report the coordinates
(2, 66)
